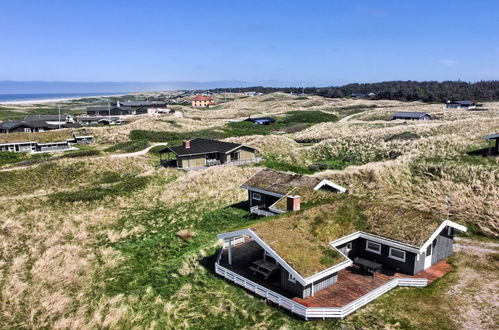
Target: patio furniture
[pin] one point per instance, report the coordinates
(264, 267)
(368, 265)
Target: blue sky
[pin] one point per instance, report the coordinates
(264, 42)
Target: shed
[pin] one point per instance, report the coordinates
(411, 116)
(262, 120)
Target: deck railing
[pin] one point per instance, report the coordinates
(316, 312)
(244, 161)
(258, 211)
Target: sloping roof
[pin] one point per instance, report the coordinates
(140, 103)
(491, 136)
(203, 146)
(301, 237)
(200, 97)
(279, 182)
(100, 108)
(46, 117)
(256, 119)
(31, 124)
(462, 102)
(410, 114)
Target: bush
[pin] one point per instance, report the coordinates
(317, 167)
(7, 157)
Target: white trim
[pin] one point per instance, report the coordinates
(325, 182)
(439, 229)
(240, 146)
(315, 312)
(283, 263)
(390, 255)
(254, 194)
(261, 191)
(372, 250)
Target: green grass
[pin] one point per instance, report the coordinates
(7, 157)
(122, 188)
(272, 161)
(129, 146)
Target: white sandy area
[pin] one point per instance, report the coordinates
(62, 99)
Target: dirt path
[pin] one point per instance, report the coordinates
(474, 246)
(349, 117)
(138, 153)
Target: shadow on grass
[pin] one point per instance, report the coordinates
(485, 152)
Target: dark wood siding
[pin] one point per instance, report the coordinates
(442, 246)
(306, 291)
(266, 200)
(359, 250)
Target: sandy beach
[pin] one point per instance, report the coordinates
(53, 100)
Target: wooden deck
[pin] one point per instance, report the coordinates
(351, 284)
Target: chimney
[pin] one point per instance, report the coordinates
(187, 144)
(293, 202)
(118, 104)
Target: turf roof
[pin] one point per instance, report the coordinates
(302, 238)
(280, 182)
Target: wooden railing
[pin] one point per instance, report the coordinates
(244, 161)
(256, 210)
(316, 312)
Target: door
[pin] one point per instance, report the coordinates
(427, 259)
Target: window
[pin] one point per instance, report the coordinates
(27, 130)
(348, 246)
(291, 278)
(428, 250)
(397, 254)
(257, 197)
(373, 247)
(449, 231)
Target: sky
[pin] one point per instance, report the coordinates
(273, 43)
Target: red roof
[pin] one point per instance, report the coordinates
(200, 97)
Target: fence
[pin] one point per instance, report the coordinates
(316, 312)
(245, 161)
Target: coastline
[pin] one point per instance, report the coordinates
(53, 100)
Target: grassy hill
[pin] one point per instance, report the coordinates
(95, 241)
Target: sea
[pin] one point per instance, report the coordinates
(49, 96)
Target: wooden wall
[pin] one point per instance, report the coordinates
(306, 291)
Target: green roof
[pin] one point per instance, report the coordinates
(302, 238)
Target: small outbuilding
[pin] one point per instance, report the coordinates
(411, 116)
(262, 120)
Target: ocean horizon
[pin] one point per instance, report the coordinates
(49, 96)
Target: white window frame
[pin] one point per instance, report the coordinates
(390, 255)
(291, 278)
(371, 250)
(253, 196)
(348, 246)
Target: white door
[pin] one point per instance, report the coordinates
(427, 259)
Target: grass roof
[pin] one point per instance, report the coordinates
(302, 238)
(42, 137)
(280, 182)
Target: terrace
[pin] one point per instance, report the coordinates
(352, 290)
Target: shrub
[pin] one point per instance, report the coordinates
(129, 146)
(7, 157)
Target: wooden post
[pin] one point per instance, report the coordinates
(230, 251)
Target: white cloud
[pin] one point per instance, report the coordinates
(448, 62)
